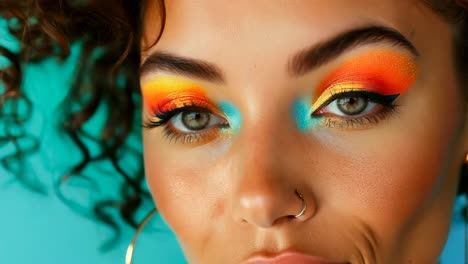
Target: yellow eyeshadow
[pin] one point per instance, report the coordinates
(384, 71)
(168, 92)
(336, 89)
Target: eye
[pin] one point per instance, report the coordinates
(195, 121)
(355, 104)
(350, 106)
(192, 124)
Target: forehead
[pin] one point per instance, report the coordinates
(239, 33)
(206, 20)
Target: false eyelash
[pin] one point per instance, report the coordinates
(385, 100)
(163, 118)
(172, 135)
(362, 122)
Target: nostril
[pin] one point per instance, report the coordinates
(268, 209)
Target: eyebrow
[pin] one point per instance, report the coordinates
(162, 61)
(321, 53)
(299, 64)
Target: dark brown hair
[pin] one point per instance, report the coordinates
(48, 27)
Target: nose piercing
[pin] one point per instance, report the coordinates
(304, 205)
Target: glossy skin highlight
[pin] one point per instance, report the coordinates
(377, 188)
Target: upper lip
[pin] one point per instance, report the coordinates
(286, 257)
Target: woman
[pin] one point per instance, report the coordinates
(287, 131)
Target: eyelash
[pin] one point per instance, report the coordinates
(175, 136)
(387, 102)
(362, 122)
(205, 135)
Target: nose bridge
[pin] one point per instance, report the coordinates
(266, 126)
(263, 193)
(261, 147)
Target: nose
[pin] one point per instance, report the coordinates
(267, 193)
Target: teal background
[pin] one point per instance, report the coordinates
(36, 228)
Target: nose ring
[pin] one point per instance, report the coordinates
(304, 205)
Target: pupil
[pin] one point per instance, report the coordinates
(196, 120)
(352, 105)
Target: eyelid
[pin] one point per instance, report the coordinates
(165, 94)
(340, 88)
(384, 71)
(182, 101)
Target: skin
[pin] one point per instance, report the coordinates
(375, 194)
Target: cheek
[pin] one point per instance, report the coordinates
(185, 183)
(393, 175)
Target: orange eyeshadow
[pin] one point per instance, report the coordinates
(383, 71)
(165, 94)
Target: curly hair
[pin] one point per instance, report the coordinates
(48, 27)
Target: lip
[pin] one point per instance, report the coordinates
(287, 257)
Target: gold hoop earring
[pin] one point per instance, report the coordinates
(131, 246)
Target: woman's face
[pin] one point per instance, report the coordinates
(353, 104)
